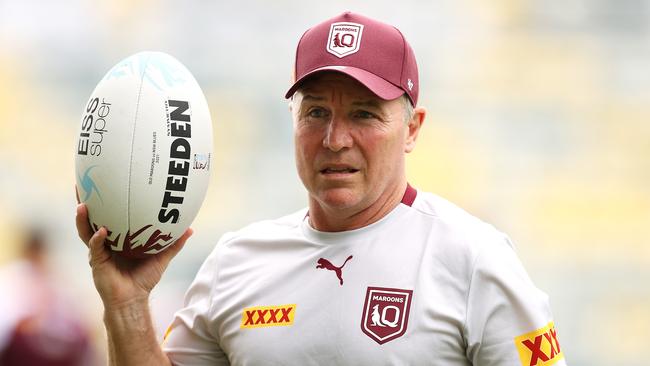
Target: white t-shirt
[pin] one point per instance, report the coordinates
(428, 284)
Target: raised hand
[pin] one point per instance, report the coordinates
(119, 280)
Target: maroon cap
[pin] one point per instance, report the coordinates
(374, 53)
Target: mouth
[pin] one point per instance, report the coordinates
(338, 170)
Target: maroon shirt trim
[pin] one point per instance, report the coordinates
(409, 195)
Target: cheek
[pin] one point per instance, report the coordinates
(304, 147)
(382, 152)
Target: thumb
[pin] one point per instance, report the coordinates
(98, 253)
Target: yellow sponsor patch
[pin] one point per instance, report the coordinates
(268, 316)
(167, 331)
(166, 335)
(539, 347)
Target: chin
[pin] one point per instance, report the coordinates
(338, 198)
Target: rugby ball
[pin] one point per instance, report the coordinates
(143, 153)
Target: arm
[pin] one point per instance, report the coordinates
(124, 287)
(131, 336)
(509, 320)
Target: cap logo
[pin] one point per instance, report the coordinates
(344, 39)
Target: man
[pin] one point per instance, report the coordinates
(374, 272)
(39, 324)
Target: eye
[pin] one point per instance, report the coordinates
(362, 114)
(317, 112)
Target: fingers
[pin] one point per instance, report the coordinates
(167, 255)
(84, 229)
(98, 252)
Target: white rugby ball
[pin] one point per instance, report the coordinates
(143, 153)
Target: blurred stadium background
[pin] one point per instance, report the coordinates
(539, 122)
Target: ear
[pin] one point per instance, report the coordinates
(414, 128)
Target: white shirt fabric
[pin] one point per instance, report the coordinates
(470, 296)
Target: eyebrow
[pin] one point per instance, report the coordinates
(362, 103)
(367, 103)
(309, 97)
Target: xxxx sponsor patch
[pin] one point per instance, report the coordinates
(268, 316)
(539, 347)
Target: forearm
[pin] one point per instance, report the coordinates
(131, 336)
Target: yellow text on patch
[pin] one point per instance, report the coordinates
(539, 347)
(268, 316)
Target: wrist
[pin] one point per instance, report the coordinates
(131, 316)
(123, 306)
(131, 335)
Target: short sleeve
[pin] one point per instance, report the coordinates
(190, 339)
(509, 320)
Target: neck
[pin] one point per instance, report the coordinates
(324, 218)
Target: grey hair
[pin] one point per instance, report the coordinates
(409, 110)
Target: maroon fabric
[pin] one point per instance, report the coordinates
(383, 53)
(409, 195)
(56, 342)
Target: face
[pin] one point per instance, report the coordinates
(350, 144)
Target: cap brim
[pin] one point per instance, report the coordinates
(379, 86)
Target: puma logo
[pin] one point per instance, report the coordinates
(325, 264)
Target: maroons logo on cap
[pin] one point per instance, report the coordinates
(344, 38)
(386, 313)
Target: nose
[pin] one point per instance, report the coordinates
(337, 136)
